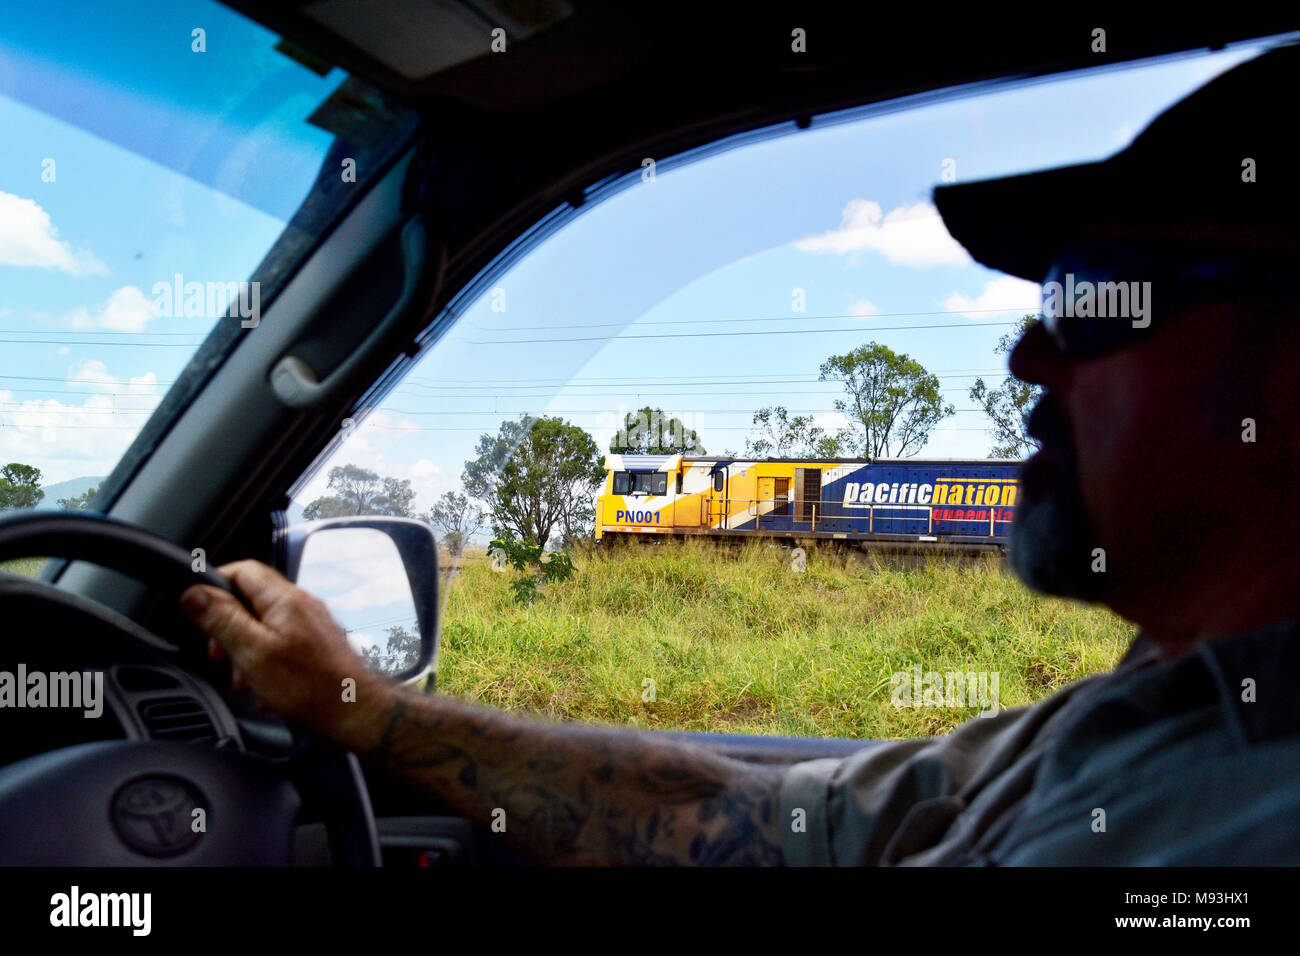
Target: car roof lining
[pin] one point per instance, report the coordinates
(610, 50)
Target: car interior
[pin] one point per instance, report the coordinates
(466, 159)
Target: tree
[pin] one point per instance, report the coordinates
(457, 517)
(780, 436)
(578, 519)
(892, 397)
(20, 486)
(652, 432)
(358, 491)
(79, 502)
(536, 474)
(402, 650)
(528, 558)
(1009, 404)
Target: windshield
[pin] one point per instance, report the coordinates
(154, 159)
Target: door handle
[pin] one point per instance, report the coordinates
(292, 379)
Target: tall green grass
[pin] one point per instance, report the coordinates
(27, 567)
(735, 641)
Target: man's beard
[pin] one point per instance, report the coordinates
(1051, 547)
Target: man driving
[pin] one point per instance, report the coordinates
(1167, 355)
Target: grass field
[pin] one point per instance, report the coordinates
(28, 567)
(735, 641)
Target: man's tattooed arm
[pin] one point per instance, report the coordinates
(570, 794)
(574, 794)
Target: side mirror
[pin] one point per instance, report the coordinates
(379, 578)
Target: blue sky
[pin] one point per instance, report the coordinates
(128, 157)
(172, 161)
(718, 246)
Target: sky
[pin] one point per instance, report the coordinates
(678, 292)
(127, 158)
(358, 573)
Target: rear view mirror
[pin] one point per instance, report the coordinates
(379, 578)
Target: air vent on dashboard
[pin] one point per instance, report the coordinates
(177, 718)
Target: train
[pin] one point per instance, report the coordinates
(962, 504)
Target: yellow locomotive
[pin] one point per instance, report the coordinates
(964, 503)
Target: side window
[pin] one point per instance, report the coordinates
(701, 321)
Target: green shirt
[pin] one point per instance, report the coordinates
(1188, 760)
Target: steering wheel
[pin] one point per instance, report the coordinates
(136, 802)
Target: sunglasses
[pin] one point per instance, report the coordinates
(1102, 298)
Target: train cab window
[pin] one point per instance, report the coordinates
(622, 483)
(650, 483)
(718, 480)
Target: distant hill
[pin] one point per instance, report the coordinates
(76, 486)
(66, 489)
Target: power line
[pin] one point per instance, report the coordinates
(715, 379)
(80, 381)
(100, 428)
(593, 411)
(402, 428)
(201, 335)
(787, 381)
(762, 378)
(707, 335)
(129, 345)
(716, 428)
(796, 317)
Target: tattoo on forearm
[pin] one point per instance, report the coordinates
(585, 794)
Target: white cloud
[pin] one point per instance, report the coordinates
(430, 481)
(361, 641)
(28, 238)
(371, 445)
(68, 440)
(94, 375)
(864, 308)
(832, 422)
(127, 310)
(908, 235)
(354, 570)
(1002, 297)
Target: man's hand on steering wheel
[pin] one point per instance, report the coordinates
(292, 655)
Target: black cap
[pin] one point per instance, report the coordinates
(1184, 178)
